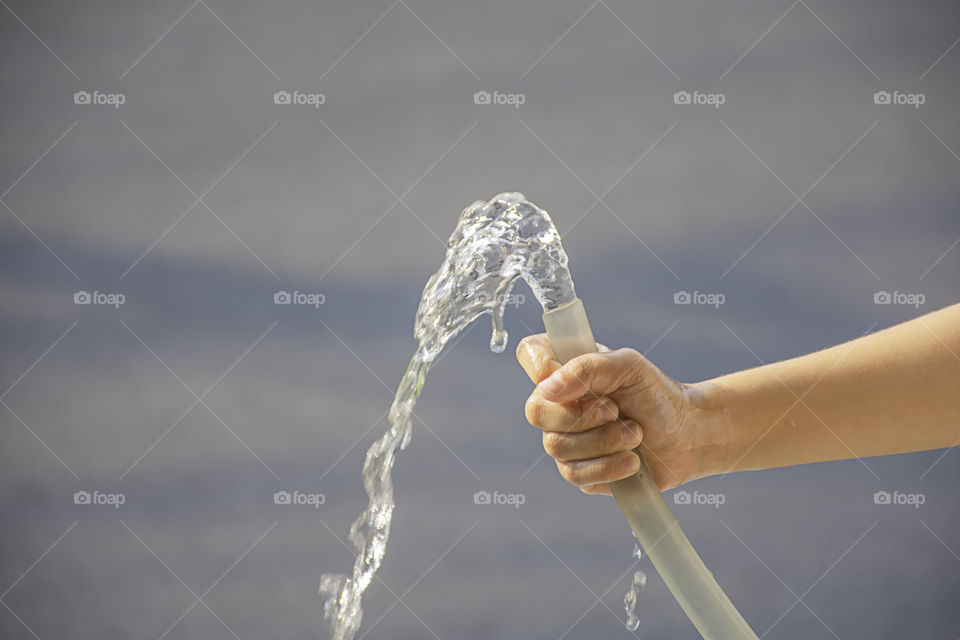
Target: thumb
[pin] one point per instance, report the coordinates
(599, 373)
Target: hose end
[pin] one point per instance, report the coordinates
(569, 330)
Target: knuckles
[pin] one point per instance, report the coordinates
(611, 437)
(624, 363)
(553, 444)
(583, 369)
(604, 440)
(636, 363)
(580, 473)
(576, 416)
(534, 410)
(599, 471)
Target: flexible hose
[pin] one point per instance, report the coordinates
(656, 528)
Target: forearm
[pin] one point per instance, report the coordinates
(891, 392)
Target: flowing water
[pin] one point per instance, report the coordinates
(630, 600)
(637, 583)
(494, 243)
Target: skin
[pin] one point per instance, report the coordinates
(894, 391)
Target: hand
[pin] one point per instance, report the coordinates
(597, 408)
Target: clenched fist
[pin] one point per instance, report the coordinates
(596, 409)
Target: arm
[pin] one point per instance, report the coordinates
(894, 391)
(891, 392)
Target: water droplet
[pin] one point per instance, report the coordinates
(498, 341)
(630, 600)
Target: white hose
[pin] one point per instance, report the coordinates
(674, 558)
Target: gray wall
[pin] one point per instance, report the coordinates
(354, 200)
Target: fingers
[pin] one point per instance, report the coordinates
(592, 447)
(598, 373)
(597, 489)
(607, 439)
(579, 415)
(536, 357)
(610, 468)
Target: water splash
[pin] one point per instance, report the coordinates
(630, 600)
(638, 582)
(494, 243)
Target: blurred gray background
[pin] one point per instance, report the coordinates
(197, 399)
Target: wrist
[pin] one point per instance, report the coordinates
(716, 436)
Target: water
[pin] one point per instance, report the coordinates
(630, 600)
(638, 582)
(494, 243)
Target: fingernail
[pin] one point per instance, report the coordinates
(608, 410)
(551, 385)
(630, 435)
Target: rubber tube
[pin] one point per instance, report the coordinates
(656, 528)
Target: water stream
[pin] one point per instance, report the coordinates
(493, 244)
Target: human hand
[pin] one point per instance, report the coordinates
(597, 408)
